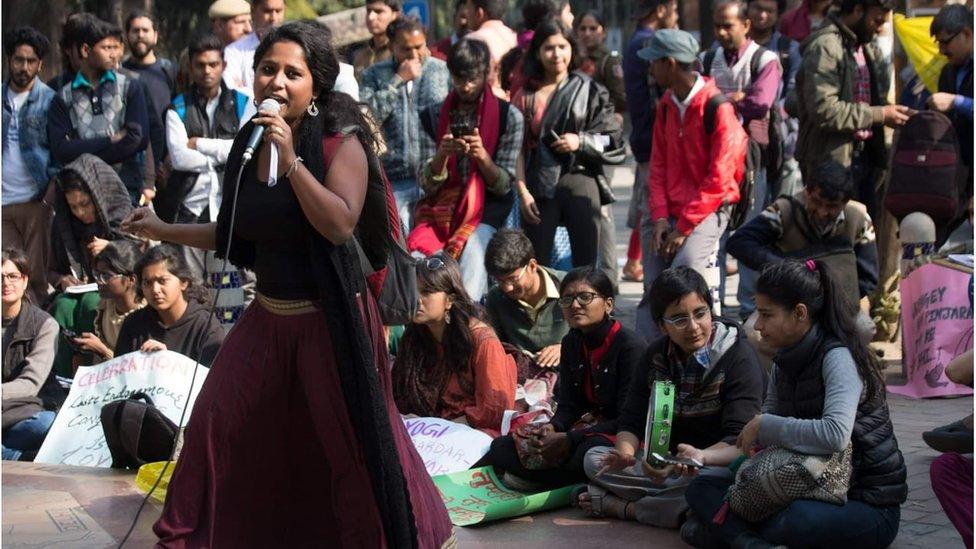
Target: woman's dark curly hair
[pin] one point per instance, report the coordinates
(419, 378)
(338, 114)
(315, 39)
(532, 67)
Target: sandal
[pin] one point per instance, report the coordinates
(605, 504)
(633, 272)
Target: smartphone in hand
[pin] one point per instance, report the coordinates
(671, 459)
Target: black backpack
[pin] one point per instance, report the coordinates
(137, 432)
(925, 169)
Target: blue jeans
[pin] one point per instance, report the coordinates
(804, 523)
(27, 435)
(407, 193)
(472, 262)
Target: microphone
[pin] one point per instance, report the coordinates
(254, 142)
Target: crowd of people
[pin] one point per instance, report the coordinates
(128, 202)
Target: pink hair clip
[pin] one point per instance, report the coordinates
(811, 265)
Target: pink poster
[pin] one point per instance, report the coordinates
(937, 325)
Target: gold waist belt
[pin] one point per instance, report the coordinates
(287, 307)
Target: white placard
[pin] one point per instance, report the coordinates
(445, 446)
(77, 438)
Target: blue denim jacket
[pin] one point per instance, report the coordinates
(33, 132)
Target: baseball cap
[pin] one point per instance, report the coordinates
(222, 9)
(676, 44)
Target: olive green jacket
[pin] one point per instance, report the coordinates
(825, 98)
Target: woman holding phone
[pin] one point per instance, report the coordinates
(572, 135)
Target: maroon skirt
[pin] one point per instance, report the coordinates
(270, 457)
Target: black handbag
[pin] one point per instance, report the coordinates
(399, 296)
(137, 432)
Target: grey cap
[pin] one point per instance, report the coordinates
(676, 44)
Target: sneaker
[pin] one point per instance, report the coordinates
(954, 437)
(750, 540)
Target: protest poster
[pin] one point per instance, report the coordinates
(77, 438)
(446, 446)
(477, 496)
(937, 326)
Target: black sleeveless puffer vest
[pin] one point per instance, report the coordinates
(879, 476)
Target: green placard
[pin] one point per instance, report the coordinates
(660, 410)
(476, 496)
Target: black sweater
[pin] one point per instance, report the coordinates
(196, 334)
(611, 383)
(708, 408)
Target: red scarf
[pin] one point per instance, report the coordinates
(593, 359)
(445, 220)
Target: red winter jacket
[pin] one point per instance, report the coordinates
(694, 174)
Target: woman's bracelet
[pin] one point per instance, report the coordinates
(293, 166)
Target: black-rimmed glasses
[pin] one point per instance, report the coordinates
(583, 298)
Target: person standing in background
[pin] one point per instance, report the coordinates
(157, 74)
(485, 23)
(102, 112)
(230, 20)
(952, 29)
(26, 155)
(442, 47)
(643, 94)
(603, 65)
(841, 97)
(397, 90)
(239, 56)
(800, 21)
(379, 15)
(750, 76)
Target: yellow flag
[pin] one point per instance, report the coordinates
(923, 52)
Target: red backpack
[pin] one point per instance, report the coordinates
(925, 169)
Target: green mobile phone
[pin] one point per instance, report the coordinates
(660, 411)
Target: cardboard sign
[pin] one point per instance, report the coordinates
(476, 496)
(937, 326)
(77, 438)
(446, 446)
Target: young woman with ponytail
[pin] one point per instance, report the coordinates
(825, 391)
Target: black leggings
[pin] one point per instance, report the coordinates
(576, 205)
(504, 458)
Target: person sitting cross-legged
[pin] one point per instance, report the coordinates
(450, 364)
(719, 387)
(596, 369)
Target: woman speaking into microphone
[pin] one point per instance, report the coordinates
(294, 439)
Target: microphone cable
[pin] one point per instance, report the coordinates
(196, 367)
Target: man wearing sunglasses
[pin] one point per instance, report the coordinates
(523, 306)
(952, 29)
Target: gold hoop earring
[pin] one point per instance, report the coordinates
(312, 109)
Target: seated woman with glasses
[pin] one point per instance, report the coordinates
(719, 386)
(31, 394)
(177, 318)
(115, 274)
(598, 358)
(450, 363)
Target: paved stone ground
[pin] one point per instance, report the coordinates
(923, 523)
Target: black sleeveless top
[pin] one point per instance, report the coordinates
(272, 218)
